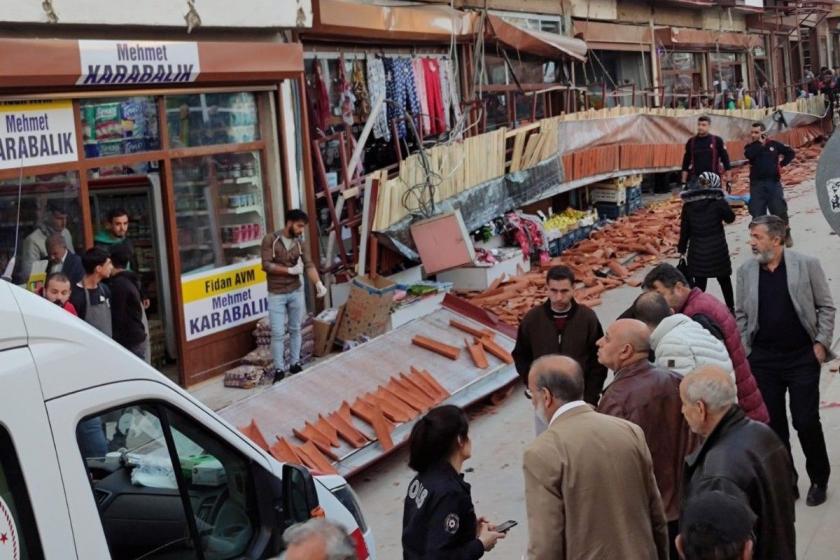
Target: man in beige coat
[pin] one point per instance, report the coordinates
(590, 490)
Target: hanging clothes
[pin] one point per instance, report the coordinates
(346, 98)
(402, 91)
(360, 89)
(435, 97)
(320, 96)
(449, 90)
(418, 69)
(377, 87)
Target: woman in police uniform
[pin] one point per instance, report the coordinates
(439, 521)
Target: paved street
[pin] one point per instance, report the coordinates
(500, 433)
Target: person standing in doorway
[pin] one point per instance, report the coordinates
(702, 236)
(115, 232)
(127, 312)
(62, 260)
(785, 316)
(91, 297)
(767, 157)
(34, 246)
(561, 326)
(704, 152)
(284, 261)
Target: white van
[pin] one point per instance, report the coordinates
(103, 457)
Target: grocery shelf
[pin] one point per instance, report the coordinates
(242, 244)
(242, 210)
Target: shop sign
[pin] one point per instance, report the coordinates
(223, 298)
(37, 133)
(137, 62)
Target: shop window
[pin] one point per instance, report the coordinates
(727, 70)
(117, 126)
(205, 119)
(682, 73)
(164, 486)
(219, 209)
(48, 204)
(18, 531)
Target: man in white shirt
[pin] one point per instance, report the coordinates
(575, 496)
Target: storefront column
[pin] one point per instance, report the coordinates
(84, 195)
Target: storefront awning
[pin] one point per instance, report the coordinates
(677, 37)
(388, 21)
(613, 36)
(540, 43)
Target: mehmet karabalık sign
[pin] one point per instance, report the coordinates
(37, 133)
(137, 62)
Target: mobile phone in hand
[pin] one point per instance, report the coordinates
(506, 526)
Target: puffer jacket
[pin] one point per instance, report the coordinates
(749, 396)
(702, 235)
(682, 344)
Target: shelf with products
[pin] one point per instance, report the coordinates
(243, 244)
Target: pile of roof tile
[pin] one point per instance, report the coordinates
(612, 256)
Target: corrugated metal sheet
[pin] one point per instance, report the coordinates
(322, 388)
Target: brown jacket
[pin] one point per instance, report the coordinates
(272, 250)
(590, 492)
(538, 336)
(650, 398)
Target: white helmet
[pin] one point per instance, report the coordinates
(709, 180)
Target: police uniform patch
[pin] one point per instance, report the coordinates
(451, 523)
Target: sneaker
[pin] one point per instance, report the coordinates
(297, 368)
(279, 374)
(816, 495)
(788, 240)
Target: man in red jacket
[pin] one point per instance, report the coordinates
(670, 282)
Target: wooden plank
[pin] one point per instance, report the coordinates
(431, 384)
(492, 347)
(466, 328)
(285, 452)
(346, 431)
(477, 354)
(252, 432)
(437, 347)
(328, 430)
(316, 458)
(421, 386)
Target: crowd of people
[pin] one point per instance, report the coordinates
(686, 452)
(101, 286)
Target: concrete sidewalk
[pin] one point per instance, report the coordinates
(501, 433)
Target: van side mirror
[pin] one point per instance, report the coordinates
(300, 499)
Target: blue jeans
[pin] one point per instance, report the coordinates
(283, 307)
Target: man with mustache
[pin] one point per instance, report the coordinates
(785, 315)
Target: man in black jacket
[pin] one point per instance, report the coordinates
(562, 326)
(127, 304)
(767, 157)
(704, 152)
(739, 457)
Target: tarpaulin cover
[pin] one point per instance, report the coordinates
(675, 37)
(385, 20)
(656, 129)
(540, 43)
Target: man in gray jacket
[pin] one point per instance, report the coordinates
(785, 315)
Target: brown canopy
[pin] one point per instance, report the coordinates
(540, 43)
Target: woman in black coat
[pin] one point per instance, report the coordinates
(702, 236)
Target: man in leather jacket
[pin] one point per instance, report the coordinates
(740, 457)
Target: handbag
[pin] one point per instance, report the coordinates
(682, 266)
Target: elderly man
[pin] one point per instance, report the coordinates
(580, 506)
(672, 285)
(740, 457)
(34, 246)
(716, 526)
(318, 539)
(680, 343)
(649, 397)
(786, 319)
(62, 260)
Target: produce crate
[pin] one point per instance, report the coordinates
(613, 195)
(634, 206)
(608, 211)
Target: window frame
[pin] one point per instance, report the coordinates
(259, 542)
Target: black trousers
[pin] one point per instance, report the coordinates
(673, 531)
(798, 375)
(767, 195)
(725, 287)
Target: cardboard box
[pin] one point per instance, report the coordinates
(321, 329)
(368, 308)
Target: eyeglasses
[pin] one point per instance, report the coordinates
(528, 394)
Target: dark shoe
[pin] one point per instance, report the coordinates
(279, 374)
(816, 495)
(297, 368)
